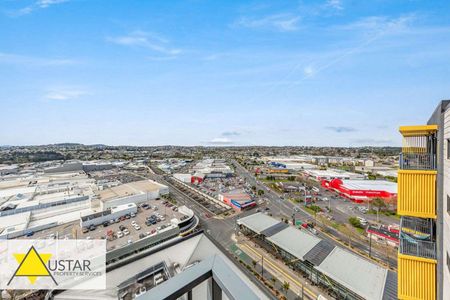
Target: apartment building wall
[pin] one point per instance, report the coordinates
(441, 117)
(446, 207)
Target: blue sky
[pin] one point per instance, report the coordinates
(322, 73)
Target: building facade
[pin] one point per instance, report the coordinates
(424, 206)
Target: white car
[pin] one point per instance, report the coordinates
(119, 234)
(126, 232)
(133, 223)
(137, 227)
(141, 291)
(162, 218)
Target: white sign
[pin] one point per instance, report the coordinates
(53, 264)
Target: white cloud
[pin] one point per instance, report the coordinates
(335, 4)
(38, 4)
(380, 24)
(142, 39)
(10, 58)
(65, 93)
(280, 22)
(47, 3)
(309, 71)
(221, 141)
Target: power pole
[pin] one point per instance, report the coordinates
(262, 266)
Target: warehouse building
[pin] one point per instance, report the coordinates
(132, 192)
(343, 274)
(360, 191)
(213, 168)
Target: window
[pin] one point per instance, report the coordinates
(448, 204)
(448, 148)
(448, 262)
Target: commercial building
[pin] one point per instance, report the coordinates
(186, 178)
(293, 165)
(237, 199)
(76, 166)
(132, 192)
(360, 191)
(213, 168)
(424, 205)
(388, 235)
(343, 274)
(107, 215)
(330, 174)
(8, 169)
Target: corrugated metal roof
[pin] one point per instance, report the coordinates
(258, 222)
(320, 251)
(294, 241)
(274, 229)
(390, 288)
(357, 274)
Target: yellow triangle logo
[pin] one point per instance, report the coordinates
(32, 264)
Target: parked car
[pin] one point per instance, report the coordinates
(119, 234)
(141, 291)
(126, 232)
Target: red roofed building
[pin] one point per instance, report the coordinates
(360, 191)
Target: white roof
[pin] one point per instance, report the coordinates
(359, 275)
(333, 173)
(258, 222)
(371, 185)
(294, 241)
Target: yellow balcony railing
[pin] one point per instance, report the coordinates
(417, 193)
(416, 278)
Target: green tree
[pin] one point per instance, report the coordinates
(254, 263)
(379, 203)
(355, 222)
(286, 287)
(260, 192)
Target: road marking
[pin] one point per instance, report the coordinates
(267, 260)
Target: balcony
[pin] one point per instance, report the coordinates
(417, 161)
(418, 228)
(418, 248)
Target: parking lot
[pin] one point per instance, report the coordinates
(111, 231)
